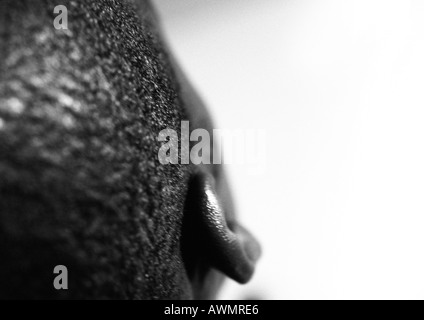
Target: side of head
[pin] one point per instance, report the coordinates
(81, 184)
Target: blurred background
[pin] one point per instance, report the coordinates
(338, 88)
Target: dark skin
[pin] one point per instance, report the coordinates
(81, 183)
(229, 247)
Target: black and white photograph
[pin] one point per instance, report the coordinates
(234, 151)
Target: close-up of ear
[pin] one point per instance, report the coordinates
(212, 238)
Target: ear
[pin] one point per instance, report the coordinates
(212, 237)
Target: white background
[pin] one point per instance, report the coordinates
(338, 85)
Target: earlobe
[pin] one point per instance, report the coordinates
(214, 236)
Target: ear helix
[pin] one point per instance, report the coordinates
(224, 243)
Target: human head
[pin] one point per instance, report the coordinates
(81, 184)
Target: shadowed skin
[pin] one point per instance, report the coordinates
(80, 180)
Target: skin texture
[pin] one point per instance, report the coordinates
(81, 184)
